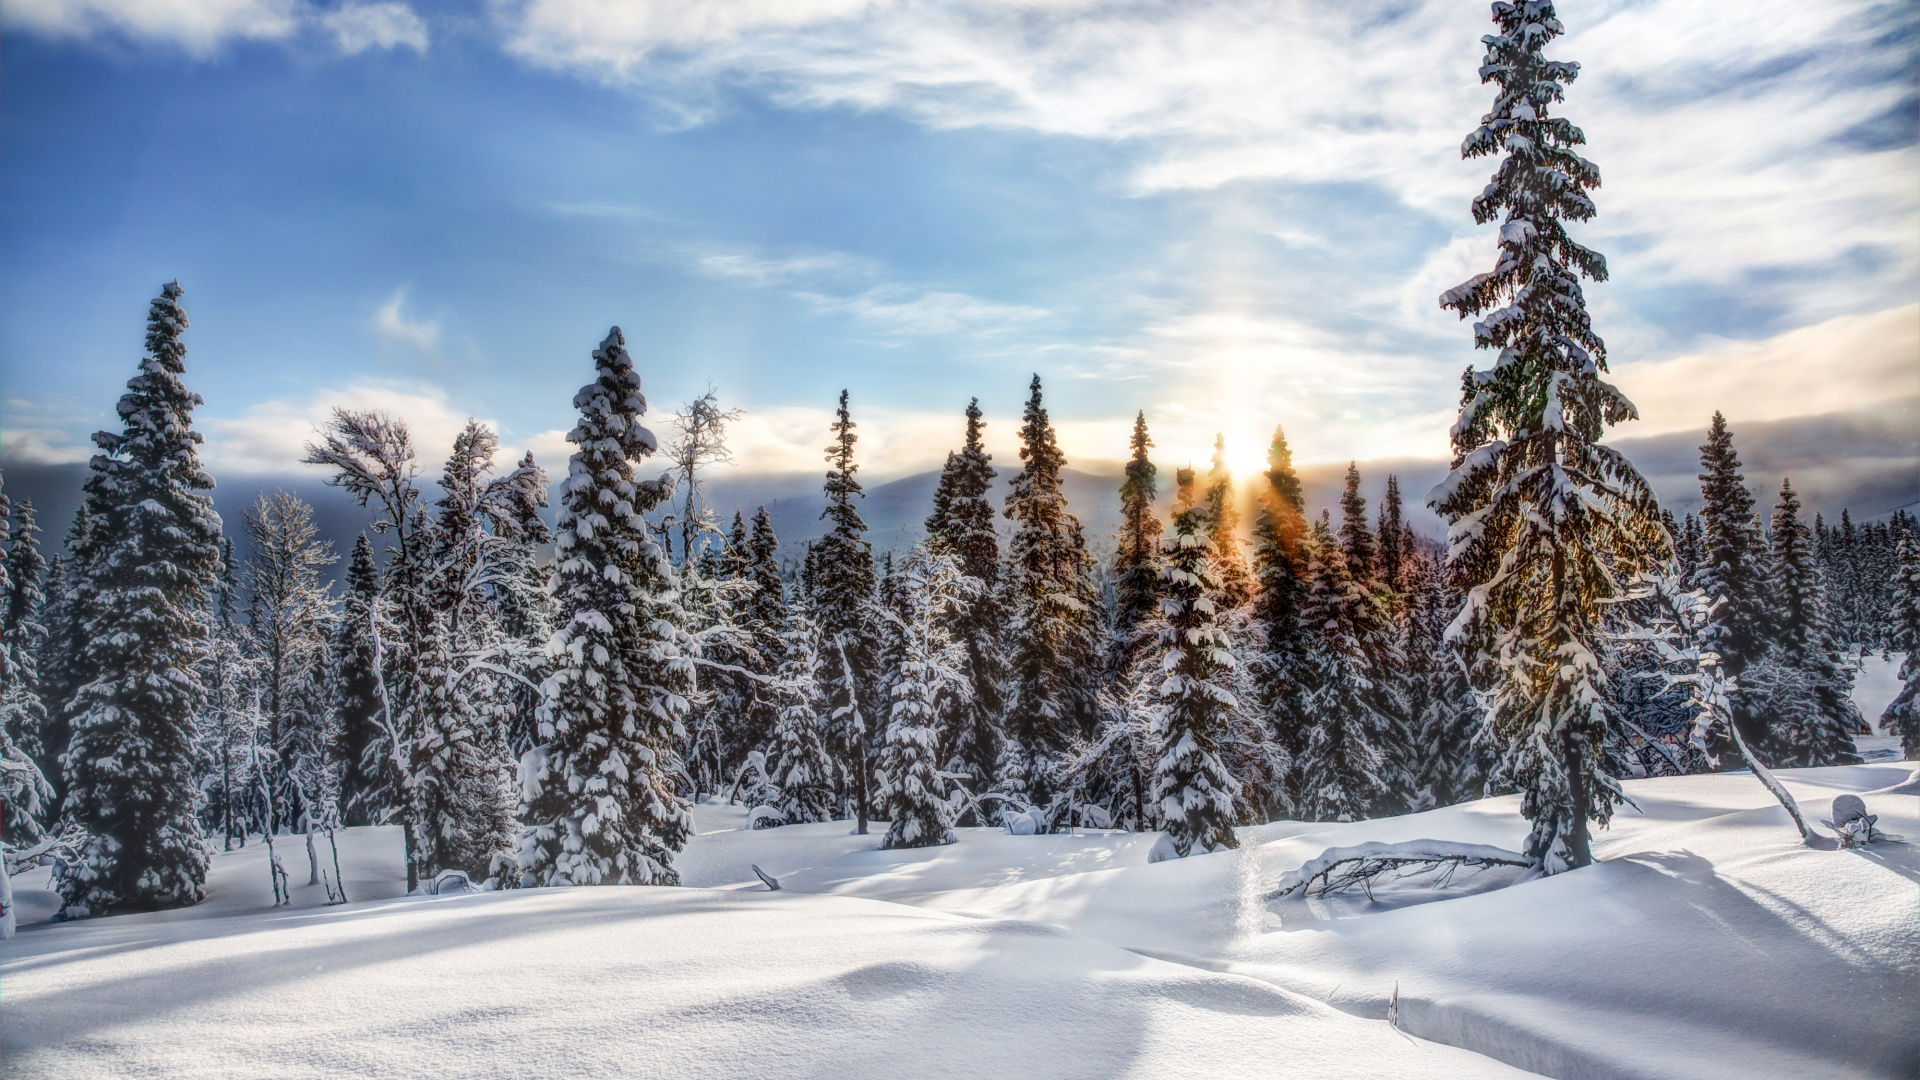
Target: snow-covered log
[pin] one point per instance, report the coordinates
(1344, 869)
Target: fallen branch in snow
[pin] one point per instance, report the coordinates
(1339, 870)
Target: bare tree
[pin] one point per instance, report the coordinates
(289, 613)
(699, 441)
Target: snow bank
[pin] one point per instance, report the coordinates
(1707, 943)
(680, 983)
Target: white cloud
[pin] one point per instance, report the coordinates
(199, 27)
(202, 28)
(1714, 124)
(896, 309)
(387, 25)
(271, 436)
(394, 326)
(1843, 364)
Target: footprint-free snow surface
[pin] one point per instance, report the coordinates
(1706, 943)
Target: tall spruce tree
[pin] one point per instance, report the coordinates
(1733, 571)
(1448, 766)
(1223, 528)
(1801, 689)
(1394, 537)
(1136, 557)
(843, 589)
(962, 523)
(1545, 521)
(1278, 668)
(1357, 541)
(597, 806)
(367, 783)
(151, 557)
(1193, 792)
(1051, 649)
(1902, 715)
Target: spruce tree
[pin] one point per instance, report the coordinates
(847, 729)
(1394, 536)
(1357, 542)
(843, 587)
(962, 523)
(1136, 565)
(1345, 772)
(1545, 521)
(1193, 792)
(21, 634)
(1443, 717)
(367, 783)
(1689, 551)
(1051, 649)
(799, 763)
(598, 807)
(63, 665)
(1278, 669)
(1902, 715)
(151, 557)
(1801, 688)
(1733, 571)
(914, 791)
(1223, 528)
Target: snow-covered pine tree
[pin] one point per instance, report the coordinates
(962, 522)
(22, 634)
(1375, 633)
(1689, 550)
(762, 616)
(151, 557)
(842, 592)
(799, 763)
(597, 805)
(1278, 669)
(1223, 528)
(1443, 717)
(1357, 541)
(1343, 768)
(520, 596)
(1193, 792)
(1136, 557)
(63, 666)
(1052, 652)
(1394, 537)
(847, 733)
(1902, 715)
(929, 682)
(229, 714)
(289, 615)
(1733, 570)
(367, 783)
(1545, 521)
(1801, 689)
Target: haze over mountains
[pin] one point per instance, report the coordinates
(1866, 460)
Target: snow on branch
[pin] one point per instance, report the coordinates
(1340, 870)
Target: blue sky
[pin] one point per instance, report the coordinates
(1228, 214)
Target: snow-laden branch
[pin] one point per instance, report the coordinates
(1339, 870)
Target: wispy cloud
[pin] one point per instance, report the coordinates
(202, 28)
(1738, 139)
(386, 25)
(392, 324)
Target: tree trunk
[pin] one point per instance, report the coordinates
(1579, 842)
(313, 858)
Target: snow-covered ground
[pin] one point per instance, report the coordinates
(1706, 943)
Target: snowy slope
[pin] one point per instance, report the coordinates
(1706, 944)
